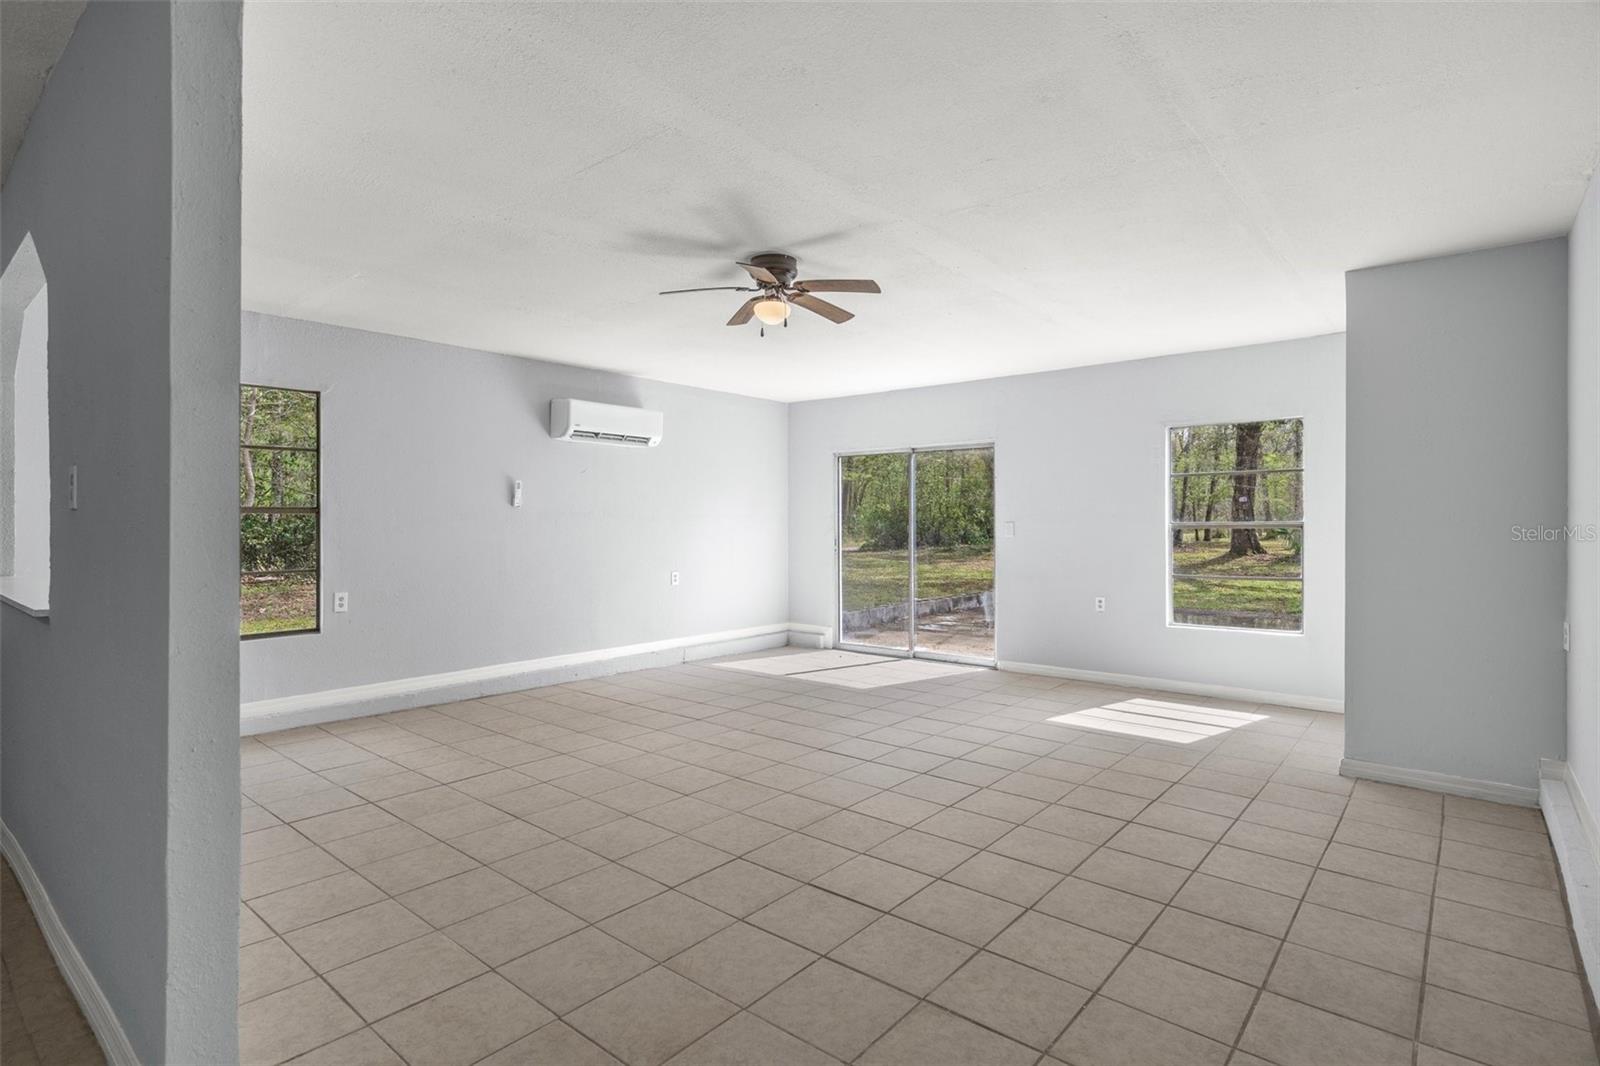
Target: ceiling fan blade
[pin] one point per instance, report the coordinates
(838, 285)
(745, 313)
(713, 288)
(761, 274)
(822, 307)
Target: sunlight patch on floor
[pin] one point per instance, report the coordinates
(848, 669)
(888, 672)
(800, 662)
(1178, 723)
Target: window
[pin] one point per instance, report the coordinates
(25, 436)
(279, 511)
(1236, 525)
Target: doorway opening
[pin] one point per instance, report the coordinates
(915, 541)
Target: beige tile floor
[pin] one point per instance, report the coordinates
(40, 1023)
(707, 865)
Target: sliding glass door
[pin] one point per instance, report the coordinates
(916, 552)
(954, 552)
(874, 550)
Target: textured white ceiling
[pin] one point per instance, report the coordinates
(33, 34)
(1034, 185)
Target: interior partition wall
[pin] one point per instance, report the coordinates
(915, 548)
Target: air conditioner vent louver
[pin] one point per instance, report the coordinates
(610, 438)
(604, 423)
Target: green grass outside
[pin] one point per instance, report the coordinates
(1211, 557)
(1275, 597)
(1284, 599)
(873, 579)
(282, 606)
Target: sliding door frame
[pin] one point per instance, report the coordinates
(910, 651)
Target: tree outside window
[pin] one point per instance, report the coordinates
(279, 511)
(1237, 525)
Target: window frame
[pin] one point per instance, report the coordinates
(316, 512)
(1170, 524)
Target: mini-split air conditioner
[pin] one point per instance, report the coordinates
(605, 423)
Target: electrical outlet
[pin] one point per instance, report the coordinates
(1011, 529)
(1100, 605)
(1566, 636)
(516, 494)
(341, 602)
(72, 487)
(673, 578)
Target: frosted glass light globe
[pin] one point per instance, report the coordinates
(771, 311)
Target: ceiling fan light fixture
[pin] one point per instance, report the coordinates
(772, 310)
(777, 293)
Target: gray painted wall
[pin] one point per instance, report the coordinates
(420, 445)
(1583, 497)
(203, 535)
(1080, 467)
(1457, 407)
(119, 774)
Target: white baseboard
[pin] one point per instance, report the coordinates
(1576, 839)
(96, 1009)
(1432, 781)
(1187, 688)
(332, 705)
(804, 636)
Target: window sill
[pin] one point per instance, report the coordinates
(1260, 630)
(281, 633)
(31, 596)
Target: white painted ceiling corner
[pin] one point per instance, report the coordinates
(33, 34)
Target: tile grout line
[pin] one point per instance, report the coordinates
(1427, 942)
(1255, 1002)
(1168, 905)
(1096, 991)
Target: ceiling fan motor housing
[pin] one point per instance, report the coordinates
(783, 267)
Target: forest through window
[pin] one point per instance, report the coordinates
(279, 510)
(1237, 525)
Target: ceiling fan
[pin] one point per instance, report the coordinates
(777, 292)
